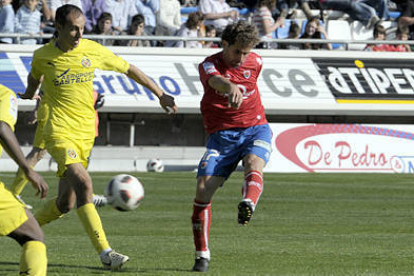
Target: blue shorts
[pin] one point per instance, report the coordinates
(226, 148)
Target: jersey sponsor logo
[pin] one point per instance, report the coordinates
(65, 78)
(72, 153)
(86, 62)
(209, 67)
(247, 74)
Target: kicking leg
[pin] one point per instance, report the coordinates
(201, 219)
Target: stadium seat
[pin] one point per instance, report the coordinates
(283, 32)
(359, 32)
(338, 29)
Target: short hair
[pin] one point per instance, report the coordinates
(138, 18)
(294, 29)
(209, 28)
(242, 33)
(193, 19)
(64, 11)
(270, 4)
(403, 30)
(105, 16)
(379, 29)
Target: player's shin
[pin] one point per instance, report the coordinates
(201, 220)
(93, 226)
(33, 259)
(253, 186)
(48, 213)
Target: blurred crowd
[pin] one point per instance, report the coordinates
(207, 19)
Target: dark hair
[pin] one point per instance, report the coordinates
(403, 30)
(62, 14)
(209, 28)
(104, 16)
(379, 29)
(138, 18)
(270, 4)
(242, 33)
(316, 35)
(193, 19)
(294, 29)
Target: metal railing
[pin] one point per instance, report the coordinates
(346, 42)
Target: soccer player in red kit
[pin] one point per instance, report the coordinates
(234, 118)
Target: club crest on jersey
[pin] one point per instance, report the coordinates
(72, 153)
(246, 74)
(86, 62)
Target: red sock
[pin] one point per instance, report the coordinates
(253, 186)
(201, 225)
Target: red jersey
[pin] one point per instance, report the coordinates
(214, 106)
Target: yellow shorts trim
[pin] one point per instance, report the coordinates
(12, 212)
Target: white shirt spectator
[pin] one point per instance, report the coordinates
(168, 18)
(122, 11)
(217, 7)
(259, 16)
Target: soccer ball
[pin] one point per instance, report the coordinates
(124, 192)
(155, 165)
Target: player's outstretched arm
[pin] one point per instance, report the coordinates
(166, 101)
(32, 86)
(9, 142)
(226, 87)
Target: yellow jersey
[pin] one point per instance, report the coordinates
(8, 108)
(68, 85)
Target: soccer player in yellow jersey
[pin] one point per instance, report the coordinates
(67, 65)
(16, 221)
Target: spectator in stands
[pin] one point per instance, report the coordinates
(294, 33)
(379, 34)
(406, 19)
(148, 8)
(380, 7)
(357, 10)
(189, 29)
(104, 27)
(27, 21)
(265, 23)
(92, 9)
(402, 34)
(315, 30)
(122, 11)
(6, 20)
(168, 18)
(217, 13)
(55, 4)
(43, 8)
(136, 28)
(210, 31)
(283, 7)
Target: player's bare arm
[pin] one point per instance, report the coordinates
(32, 86)
(166, 101)
(226, 87)
(9, 142)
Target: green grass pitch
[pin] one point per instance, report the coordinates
(305, 224)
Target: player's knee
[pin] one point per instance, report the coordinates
(64, 205)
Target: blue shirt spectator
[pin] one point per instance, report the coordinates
(27, 20)
(148, 8)
(93, 10)
(122, 11)
(6, 20)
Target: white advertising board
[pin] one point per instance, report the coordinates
(342, 148)
(291, 82)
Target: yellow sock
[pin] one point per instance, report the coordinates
(93, 226)
(33, 260)
(49, 212)
(19, 183)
